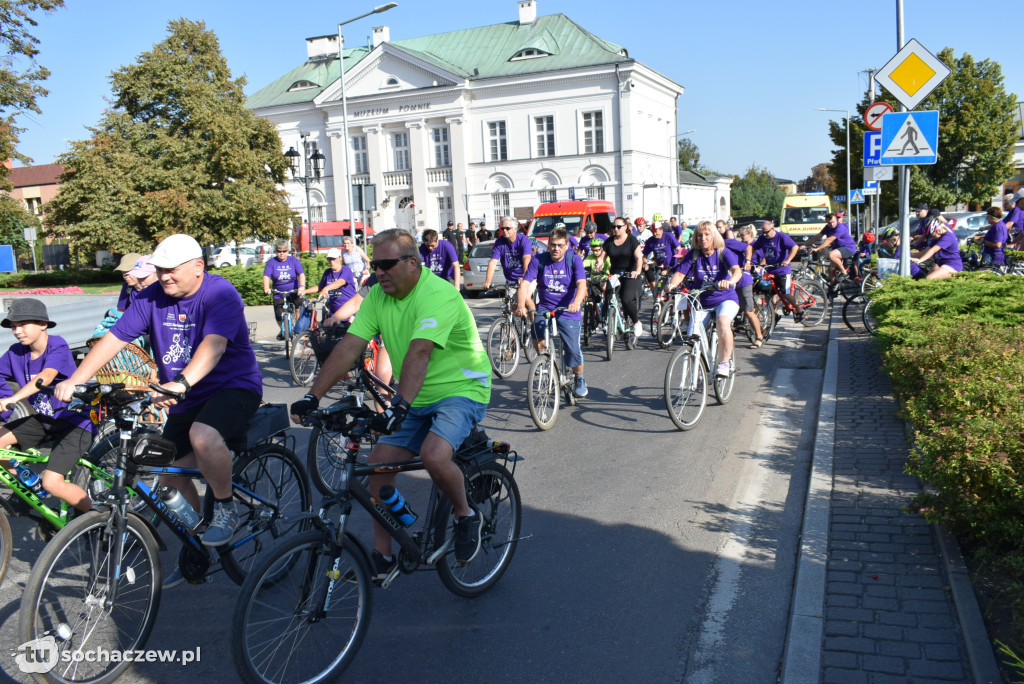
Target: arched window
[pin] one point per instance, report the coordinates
(528, 53)
(302, 85)
(390, 82)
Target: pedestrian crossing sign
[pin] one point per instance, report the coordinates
(910, 138)
(856, 196)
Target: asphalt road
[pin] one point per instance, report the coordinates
(653, 554)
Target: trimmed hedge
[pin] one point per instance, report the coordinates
(248, 280)
(82, 276)
(955, 352)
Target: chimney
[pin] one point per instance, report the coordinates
(527, 11)
(381, 34)
(322, 47)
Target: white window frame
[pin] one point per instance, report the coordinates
(596, 133)
(551, 144)
(442, 148)
(402, 157)
(360, 157)
(501, 205)
(496, 143)
(547, 195)
(595, 192)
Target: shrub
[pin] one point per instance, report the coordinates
(248, 280)
(82, 276)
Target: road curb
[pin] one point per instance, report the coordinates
(801, 661)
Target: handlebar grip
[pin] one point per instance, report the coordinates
(180, 396)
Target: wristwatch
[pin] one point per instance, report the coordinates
(180, 378)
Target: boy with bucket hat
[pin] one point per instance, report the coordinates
(40, 355)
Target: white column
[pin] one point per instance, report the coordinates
(457, 139)
(339, 148)
(424, 214)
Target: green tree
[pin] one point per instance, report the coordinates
(756, 194)
(689, 155)
(14, 219)
(20, 75)
(820, 180)
(976, 139)
(177, 152)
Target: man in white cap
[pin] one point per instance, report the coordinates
(200, 340)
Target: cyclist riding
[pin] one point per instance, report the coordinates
(844, 247)
(945, 248)
(778, 250)
(994, 241)
(337, 284)
(623, 252)
(443, 381)
(659, 252)
(440, 257)
(561, 282)
(196, 323)
(283, 273)
(710, 261)
(745, 289)
(512, 250)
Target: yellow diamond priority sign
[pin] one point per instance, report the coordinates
(912, 74)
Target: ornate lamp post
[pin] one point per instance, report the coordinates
(312, 169)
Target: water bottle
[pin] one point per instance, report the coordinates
(181, 508)
(29, 478)
(398, 505)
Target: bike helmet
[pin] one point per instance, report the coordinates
(597, 242)
(869, 237)
(640, 221)
(657, 216)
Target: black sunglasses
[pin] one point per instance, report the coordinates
(387, 264)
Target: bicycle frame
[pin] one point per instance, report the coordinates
(705, 338)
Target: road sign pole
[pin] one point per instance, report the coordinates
(904, 171)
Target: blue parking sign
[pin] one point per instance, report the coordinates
(872, 148)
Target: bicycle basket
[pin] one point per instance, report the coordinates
(132, 366)
(269, 420)
(150, 448)
(324, 338)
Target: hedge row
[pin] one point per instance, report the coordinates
(248, 280)
(27, 279)
(955, 352)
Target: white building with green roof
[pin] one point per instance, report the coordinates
(482, 122)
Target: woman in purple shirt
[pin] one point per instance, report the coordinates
(995, 239)
(944, 246)
(710, 261)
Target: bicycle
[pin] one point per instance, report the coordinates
(811, 300)
(302, 358)
(616, 327)
(549, 378)
(592, 314)
(303, 612)
(97, 584)
(686, 384)
(287, 314)
(508, 335)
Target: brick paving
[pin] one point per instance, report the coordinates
(889, 616)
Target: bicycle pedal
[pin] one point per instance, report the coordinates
(386, 582)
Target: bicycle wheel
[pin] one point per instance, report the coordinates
(723, 386)
(853, 312)
(870, 282)
(67, 593)
(869, 320)
(302, 361)
(294, 621)
(276, 475)
(686, 387)
(610, 331)
(811, 299)
(666, 330)
(542, 392)
(325, 460)
(494, 494)
(765, 314)
(586, 325)
(286, 331)
(526, 339)
(503, 347)
(850, 287)
(6, 543)
(655, 317)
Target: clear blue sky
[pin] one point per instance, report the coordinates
(753, 73)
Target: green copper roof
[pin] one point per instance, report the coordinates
(483, 52)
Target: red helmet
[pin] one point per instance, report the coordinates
(869, 237)
(641, 221)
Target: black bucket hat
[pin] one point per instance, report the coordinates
(26, 309)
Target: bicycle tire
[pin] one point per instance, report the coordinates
(493, 492)
(850, 287)
(302, 360)
(586, 327)
(870, 322)
(656, 309)
(629, 338)
(66, 592)
(325, 460)
(724, 386)
(6, 543)
(853, 312)
(286, 332)
(526, 340)
(765, 314)
(276, 474)
(284, 627)
(503, 347)
(543, 392)
(666, 331)
(677, 397)
(870, 282)
(811, 300)
(610, 332)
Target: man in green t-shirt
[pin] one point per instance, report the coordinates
(443, 379)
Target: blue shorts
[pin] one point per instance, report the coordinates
(451, 419)
(569, 331)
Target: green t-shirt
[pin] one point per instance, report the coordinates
(590, 261)
(434, 311)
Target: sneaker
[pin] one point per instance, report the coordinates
(798, 316)
(580, 388)
(280, 337)
(467, 537)
(722, 370)
(174, 579)
(638, 329)
(225, 520)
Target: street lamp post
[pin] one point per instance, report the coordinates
(311, 170)
(847, 112)
(344, 109)
(676, 136)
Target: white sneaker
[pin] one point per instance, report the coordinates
(722, 370)
(638, 329)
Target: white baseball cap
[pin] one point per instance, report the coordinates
(176, 250)
(333, 253)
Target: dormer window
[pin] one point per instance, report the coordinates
(528, 53)
(390, 82)
(302, 85)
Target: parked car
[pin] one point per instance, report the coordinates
(967, 224)
(475, 270)
(255, 253)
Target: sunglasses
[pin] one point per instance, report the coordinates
(282, 251)
(387, 264)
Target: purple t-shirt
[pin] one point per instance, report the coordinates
(915, 270)
(284, 275)
(997, 233)
(17, 365)
(1016, 216)
(949, 251)
(842, 236)
(124, 300)
(442, 261)
(663, 248)
(775, 250)
(739, 248)
(703, 269)
(585, 243)
(337, 297)
(510, 255)
(176, 327)
(556, 285)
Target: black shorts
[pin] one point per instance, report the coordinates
(228, 412)
(69, 441)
